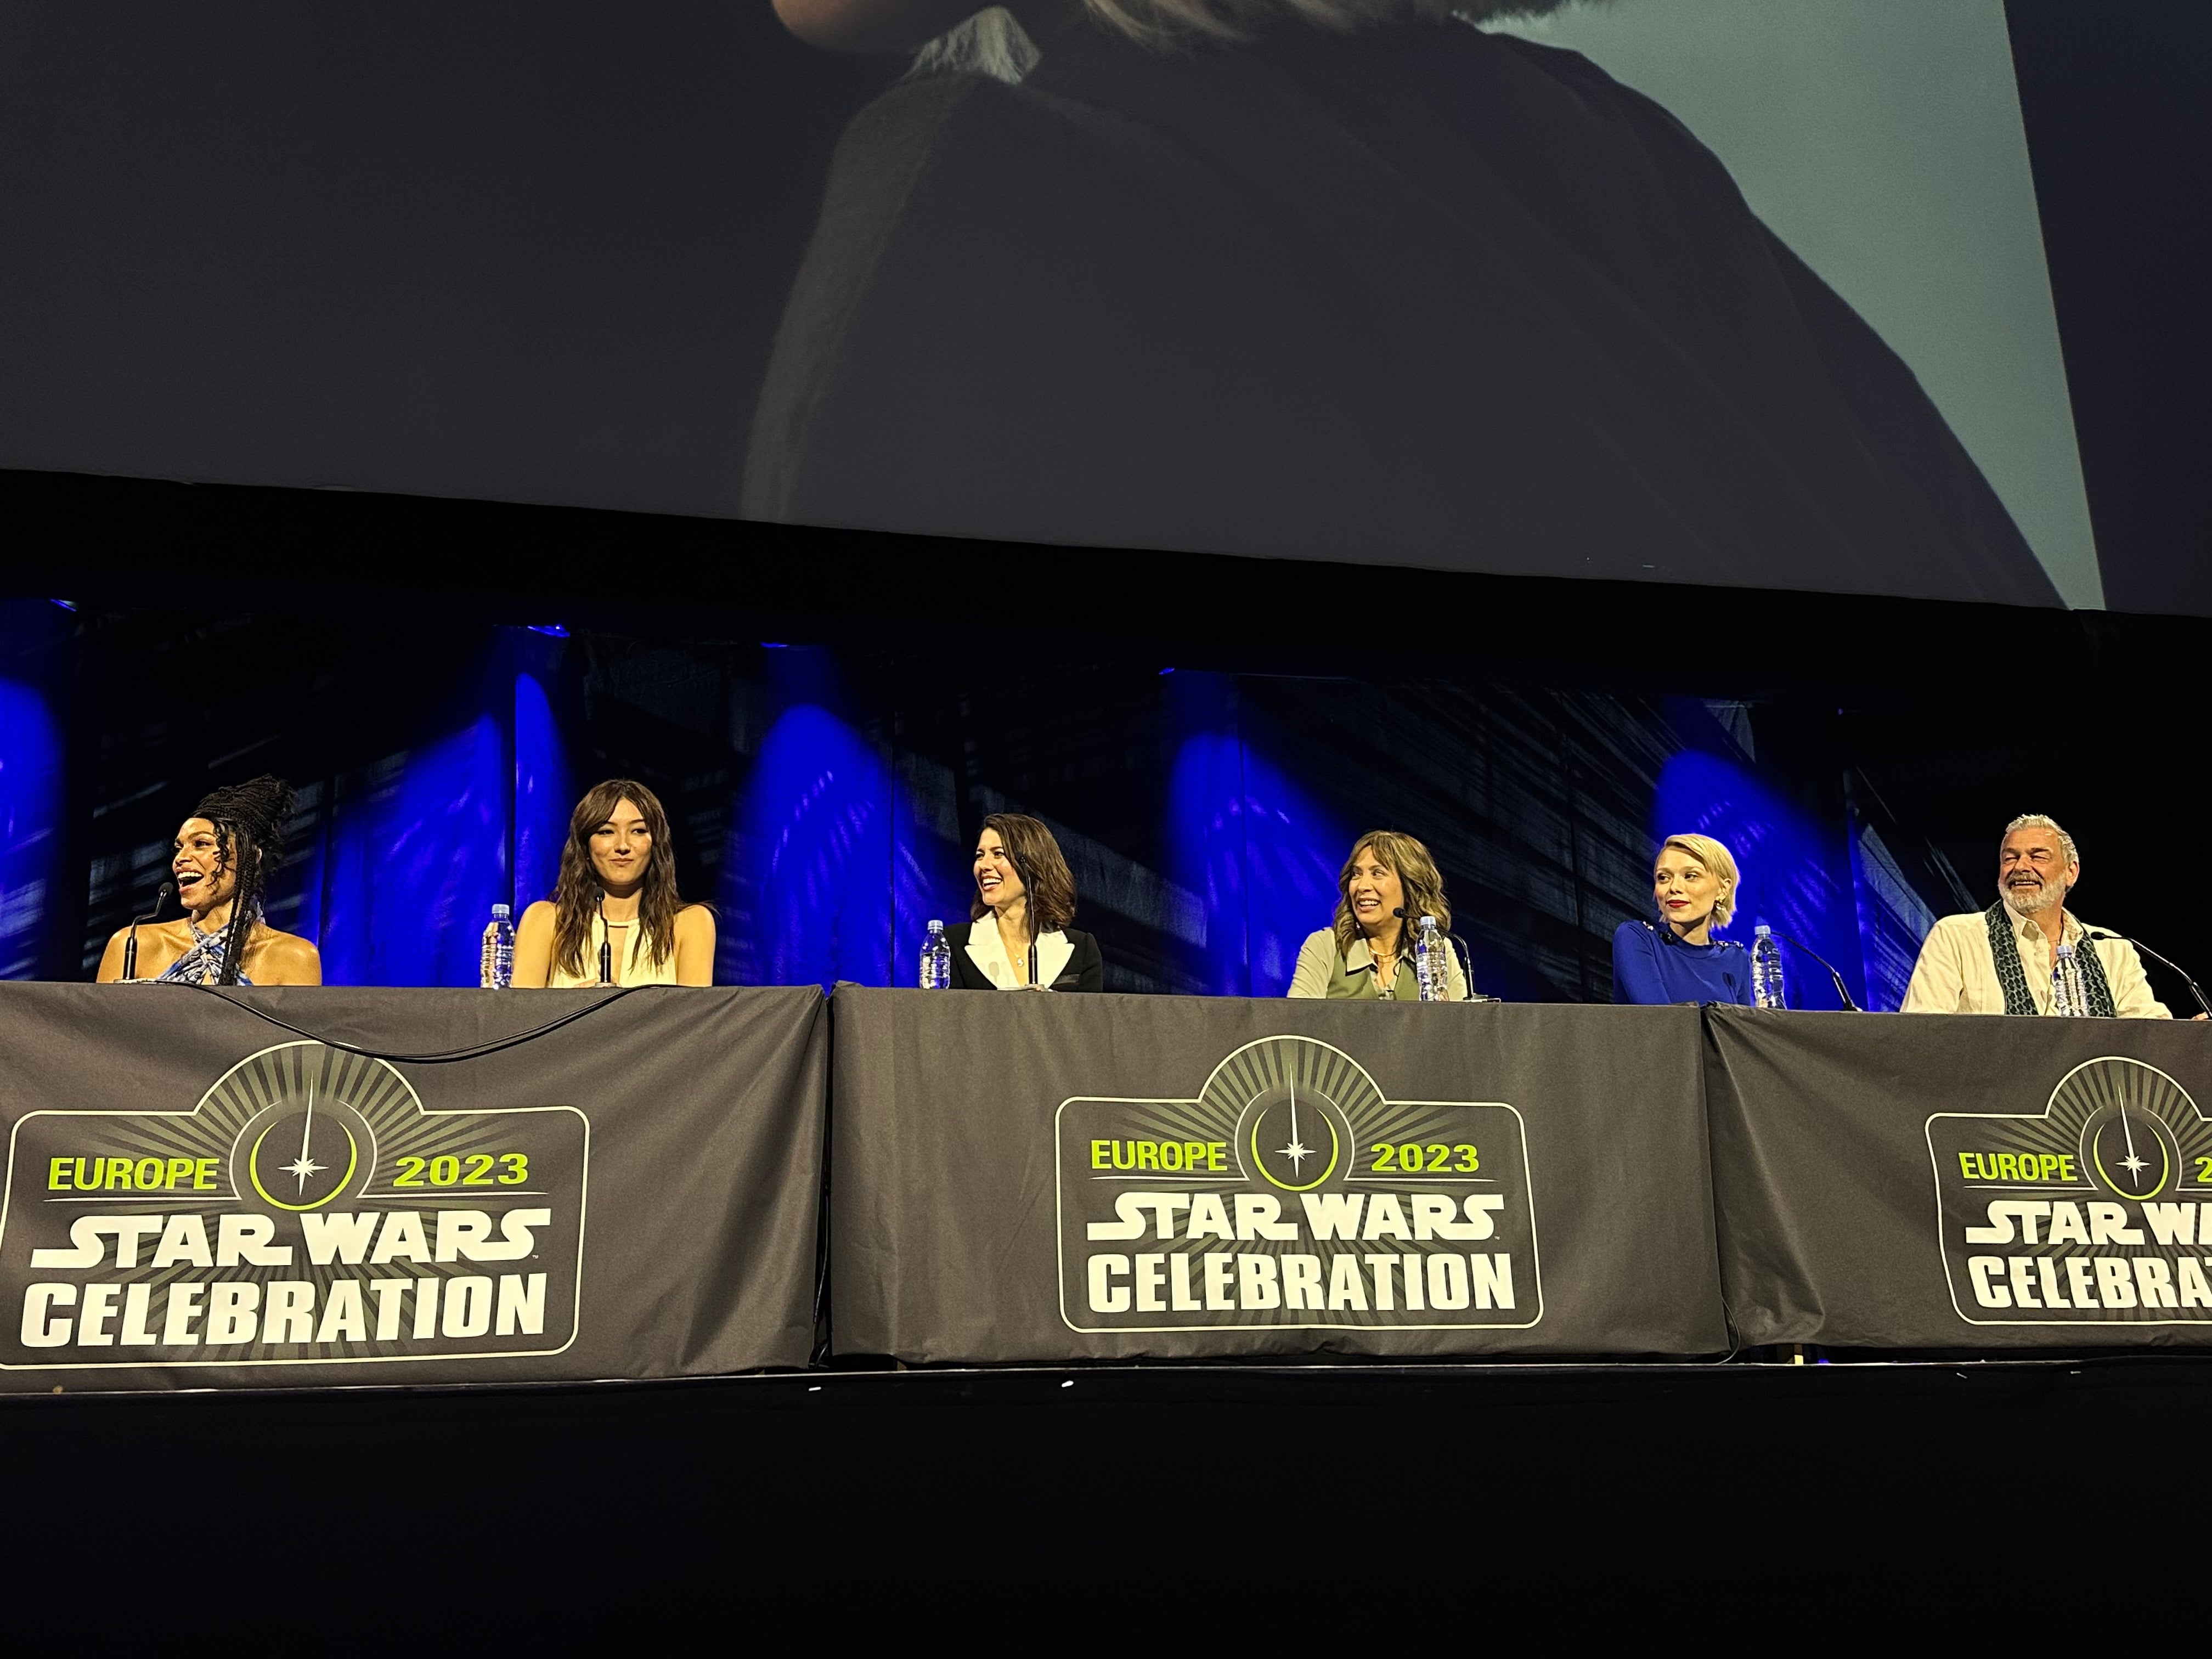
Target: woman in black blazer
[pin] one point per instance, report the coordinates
(1018, 938)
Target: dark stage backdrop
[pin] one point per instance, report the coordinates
(543, 253)
(826, 800)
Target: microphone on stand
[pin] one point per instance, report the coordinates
(1465, 959)
(2195, 989)
(1028, 909)
(130, 946)
(1841, 989)
(606, 943)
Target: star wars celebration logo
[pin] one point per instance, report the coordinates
(2096, 1210)
(1291, 1192)
(308, 1210)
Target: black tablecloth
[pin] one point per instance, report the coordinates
(1964, 1181)
(196, 1197)
(1032, 1177)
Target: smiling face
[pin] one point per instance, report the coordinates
(621, 846)
(1686, 891)
(204, 877)
(2032, 873)
(998, 883)
(1376, 893)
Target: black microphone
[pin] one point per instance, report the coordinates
(1029, 909)
(1841, 989)
(2195, 989)
(130, 946)
(606, 943)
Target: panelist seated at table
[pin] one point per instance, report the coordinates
(220, 862)
(1366, 954)
(1017, 936)
(1693, 883)
(615, 903)
(2000, 961)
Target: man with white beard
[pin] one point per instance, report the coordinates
(2001, 960)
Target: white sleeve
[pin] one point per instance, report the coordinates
(1938, 978)
(1316, 958)
(2132, 998)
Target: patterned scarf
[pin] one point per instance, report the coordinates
(203, 963)
(2010, 974)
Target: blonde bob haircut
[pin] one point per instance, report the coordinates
(1715, 857)
(1417, 873)
(992, 43)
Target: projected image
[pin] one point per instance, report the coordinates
(1386, 281)
(1743, 292)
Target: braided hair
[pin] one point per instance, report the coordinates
(249, 821)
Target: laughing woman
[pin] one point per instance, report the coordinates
(615, 902)
(1368, 953)
(221, 860)
(1018, 938)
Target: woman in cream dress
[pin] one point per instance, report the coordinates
(616, 902)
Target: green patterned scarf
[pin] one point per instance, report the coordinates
(2010, 974)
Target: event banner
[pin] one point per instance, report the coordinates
(1971, 1181)
(1055, 1177)
(196, 1196)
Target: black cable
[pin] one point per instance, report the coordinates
(475, 1052)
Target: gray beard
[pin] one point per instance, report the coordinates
(2035, 902)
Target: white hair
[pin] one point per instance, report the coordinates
(992, 43)
(2043, 821)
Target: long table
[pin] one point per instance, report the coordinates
(1028, 1178)
(198, 1196)
(331, 1188)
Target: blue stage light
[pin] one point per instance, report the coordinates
(31, 811)
(66, 605)
(551, 630)
(543, 793)
(1796, 872)
(1266, 850)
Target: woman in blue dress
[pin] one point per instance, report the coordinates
(1693, 882)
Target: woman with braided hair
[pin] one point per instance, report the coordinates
(221, 860)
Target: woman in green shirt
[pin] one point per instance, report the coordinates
(1385, 886)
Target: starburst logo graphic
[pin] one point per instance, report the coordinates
(333, 1148)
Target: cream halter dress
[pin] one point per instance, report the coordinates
(631, 964)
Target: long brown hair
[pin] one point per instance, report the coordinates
(658, 901)
(1045, 875)
(1417, 873)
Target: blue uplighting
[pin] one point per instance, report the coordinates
(1796, 872)
(552, 630)
(543, 793)
(1264, 853)
(30, 825)
(808, 896)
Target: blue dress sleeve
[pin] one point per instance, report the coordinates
(1735, 975)
(1636, 966)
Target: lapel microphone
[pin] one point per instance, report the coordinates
(130, 946)
(606, 943)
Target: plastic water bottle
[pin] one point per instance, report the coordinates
(2066, 998)
(1431, 965)
(936, 960)
(1765, 969)
(498, 960)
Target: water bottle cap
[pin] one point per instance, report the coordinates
(936, 927)
(1428, 924)
(1762, 932)
(500, 912)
